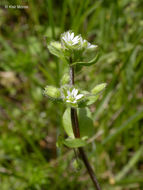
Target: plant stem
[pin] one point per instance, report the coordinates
(75, 126)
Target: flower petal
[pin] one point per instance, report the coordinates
(74, 92)
(68, 92)
(69, 36)
(90, 46)
(72, 35)
(79, 96)
(76, 38)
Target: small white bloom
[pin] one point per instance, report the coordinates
(73, 96)
(86, 44)
(69, 39)
(90, 46)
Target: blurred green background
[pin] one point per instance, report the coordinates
(30, 123)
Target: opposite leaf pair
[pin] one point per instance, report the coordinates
(86, 128)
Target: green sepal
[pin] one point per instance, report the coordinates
(74, 142)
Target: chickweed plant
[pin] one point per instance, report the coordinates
(76, 52)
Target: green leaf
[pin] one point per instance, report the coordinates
(98, 88)
(88, 100)
(87, 63)
(67, 123)
(92, 99)
(74, 143)
(85, 122)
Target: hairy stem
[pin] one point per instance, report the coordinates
(75, 126)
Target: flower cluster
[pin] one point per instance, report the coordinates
(73, 50)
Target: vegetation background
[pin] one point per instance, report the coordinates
(30, 123)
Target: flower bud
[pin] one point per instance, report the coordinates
(77, 164)
(98, 88)
(52, 92)
(56, 45)
(56, 49)
(65, 79)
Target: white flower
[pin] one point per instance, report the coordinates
(69, 39)
(90, 46)
(86, 44)
(73, 96)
